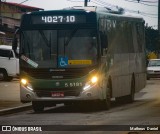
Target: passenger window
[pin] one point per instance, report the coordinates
(6, 53)
(10, 54)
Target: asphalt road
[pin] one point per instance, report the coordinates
(144, 111)
(9, 94)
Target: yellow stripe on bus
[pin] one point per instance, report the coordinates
(79, 62)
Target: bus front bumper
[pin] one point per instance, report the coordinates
(27, 95)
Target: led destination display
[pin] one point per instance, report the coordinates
(58, 19)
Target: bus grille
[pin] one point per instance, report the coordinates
(46, 74)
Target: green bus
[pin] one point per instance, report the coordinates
(80, 54)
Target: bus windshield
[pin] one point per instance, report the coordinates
(72, 48)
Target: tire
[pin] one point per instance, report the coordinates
(9, 78)
(130, 98)
(4, 75)
(107, 101)
(37, 106)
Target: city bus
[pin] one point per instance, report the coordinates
(80, 55)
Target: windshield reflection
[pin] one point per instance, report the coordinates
(46, 46)
(154, 63)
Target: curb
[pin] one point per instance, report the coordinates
(15, 109)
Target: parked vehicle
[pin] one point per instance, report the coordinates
(153, 69)
(9, 63)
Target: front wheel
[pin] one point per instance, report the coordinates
(108, 100)
(37, 106)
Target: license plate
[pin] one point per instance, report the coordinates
(57, 94)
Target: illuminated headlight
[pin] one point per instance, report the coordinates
(25, 83)
(89, 84)
(94, 79)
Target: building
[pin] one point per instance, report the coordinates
(10, 16)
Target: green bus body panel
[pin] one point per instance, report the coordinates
(55, 83)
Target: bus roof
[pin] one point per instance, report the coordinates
(119, 12)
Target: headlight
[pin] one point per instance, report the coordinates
(94, 79)
(24, 81)
(26, 84)
(90, 83)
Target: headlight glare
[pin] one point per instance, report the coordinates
(90, 83)
(26, 84)
(86, 87)
(29, 86)
(24, 81)
(94, 79)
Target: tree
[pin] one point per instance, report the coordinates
(152, 40)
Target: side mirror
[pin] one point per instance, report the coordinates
(15, 42)
(103, 59)
(104, 51)
(10, 55)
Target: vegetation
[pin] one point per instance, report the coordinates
(152, 40)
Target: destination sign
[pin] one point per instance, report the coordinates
(58, 19)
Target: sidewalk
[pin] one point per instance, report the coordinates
(10, 97)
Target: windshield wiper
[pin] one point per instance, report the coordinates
(45, 38)
(48, 43)
(25, 40)
(70, 37)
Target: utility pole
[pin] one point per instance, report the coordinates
(0, 14)
(159, 18)
(85, 3)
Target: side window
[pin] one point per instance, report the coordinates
(138, 37)
(103, 33)
(104, 40)
(129, 37)
(6, 53)
(139, 30)
(11, 54)
(117, 36)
